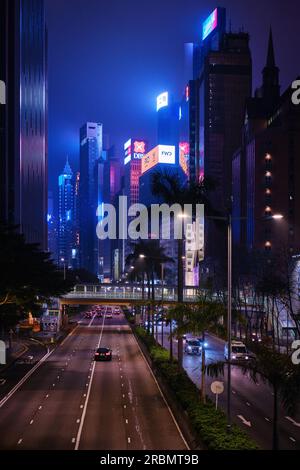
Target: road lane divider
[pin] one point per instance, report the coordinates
(78, 437)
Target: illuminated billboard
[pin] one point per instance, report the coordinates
(150, 160)
(184, 151)
(160, 154)
(134, 149)
(162, 100)
(210, 24)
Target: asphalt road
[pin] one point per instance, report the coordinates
(252, 404)
(71, 402)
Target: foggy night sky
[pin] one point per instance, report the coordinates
(109, 59)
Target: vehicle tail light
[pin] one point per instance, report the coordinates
(96, 354)
(108, 353)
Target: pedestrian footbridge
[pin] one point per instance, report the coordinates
(124, 294)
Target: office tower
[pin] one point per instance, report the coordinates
(66, 236)
(167, 120)
(91, 171)
(112, 183)
(266, 168)
(52, 228)
(134, 151)
(76, 249)
(23, 134)
(225, 81)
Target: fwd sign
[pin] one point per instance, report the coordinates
(2, 92)
(167, 154)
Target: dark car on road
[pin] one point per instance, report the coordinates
(103, 354)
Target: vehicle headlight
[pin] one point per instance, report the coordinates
(189, 348)
(234, 357)
(205, 345)
(246, 357)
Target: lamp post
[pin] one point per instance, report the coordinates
(64, 265)
(229, 219)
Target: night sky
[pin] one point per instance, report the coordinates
(109, 59)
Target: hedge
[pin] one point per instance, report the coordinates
(209, 424)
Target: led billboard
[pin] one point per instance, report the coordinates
(162, 100)
(210, 24)
(134, 149)
(160, 154)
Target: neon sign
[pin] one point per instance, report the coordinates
(210, 24)
(162, 100)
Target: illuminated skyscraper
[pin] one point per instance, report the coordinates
(91, 188)
(66, 235)
(23, 126)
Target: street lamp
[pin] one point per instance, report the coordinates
(64, 265)
(229, 219)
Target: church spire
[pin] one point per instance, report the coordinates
(270, 56)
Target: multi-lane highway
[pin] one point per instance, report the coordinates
(71, 402)
(252, 404)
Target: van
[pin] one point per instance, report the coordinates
(238, 351)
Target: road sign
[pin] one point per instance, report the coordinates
(217, 388)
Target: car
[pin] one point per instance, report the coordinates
(88, 315)
(108, 315)
(239, 352)
(103, 354)
(193, 346)
(99, 314)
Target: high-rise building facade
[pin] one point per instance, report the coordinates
(91, 139)
(225, 82)
(266, 170)
(66, 215)
(23, 134)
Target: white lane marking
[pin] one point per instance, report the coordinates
(24, 379)
(267, 419)
(40, 407)
(73, 440)
(53, 385)
(78, 421)
(31, 421)
(81, 406)
(2, 381)
(162, 395)
(292, 421)
(244, 421)
(126, 421)
(88, 393)
(84, 394)
(129, 440)
(58, 376)
(123, 395)
(19, 441)
(70, 334)
(124, 406)
(90, 324)
(47, 396)
(292, 439)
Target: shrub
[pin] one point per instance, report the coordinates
(209, 424)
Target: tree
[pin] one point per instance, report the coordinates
(29, 277)
(173, 190)
(202, 317)
(279, 372)
(147, 258)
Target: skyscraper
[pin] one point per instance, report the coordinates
(23, 134)
(91, 189)
(225, 81)
(266, 170)
(66, 222)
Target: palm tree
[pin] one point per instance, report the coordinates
(147, 258)
(173, 190)
(279, 372)
(199, 319)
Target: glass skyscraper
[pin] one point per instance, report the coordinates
(23, 134)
